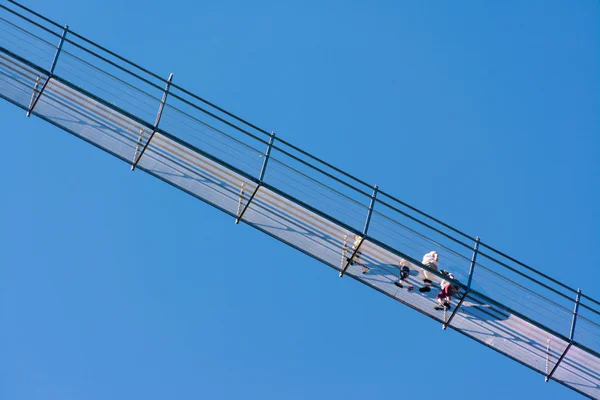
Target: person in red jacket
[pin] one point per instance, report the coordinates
(444, 298)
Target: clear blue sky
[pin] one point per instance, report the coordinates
(117, 286)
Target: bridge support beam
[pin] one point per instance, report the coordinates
(158, 117)
(571, 336)
(34, 98)
(261, 176)
(365, 230)
(350, 260)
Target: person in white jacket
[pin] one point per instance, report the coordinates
(430, 260)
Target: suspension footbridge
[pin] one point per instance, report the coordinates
(358, 229)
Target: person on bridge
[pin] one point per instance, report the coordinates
(356, 260)
(404, 274)
(430, 260)
(444, 298)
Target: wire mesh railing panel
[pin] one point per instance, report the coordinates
(527, 276)
(109, 82)
(425, 219)
(337, 179)
(185, 121)
(219, 119)
(94, 70)
(28, 40)
(587, 332)
(316, 190)
(520, 276)
(19, 83)
(301, 200)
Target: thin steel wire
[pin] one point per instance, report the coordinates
(27, 49)
(323, 200)
(319, 183)
(278, 174)
(27, 33)
(318, 201)
(212, 128)
(417, 233)
(123, 100)
(112, 76)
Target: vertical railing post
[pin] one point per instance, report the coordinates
(464, 296)
(52, 67)
(261, 176)
(473, 261)
(571, 335)
(157, 121)
(575, 313)
(263, 169)
(59, 49)
(161, 107)
(370, 212)
(365, 230)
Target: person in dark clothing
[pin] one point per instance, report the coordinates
(404, 274)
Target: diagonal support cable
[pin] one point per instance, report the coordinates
(447, 323)
(370, 212)
(473, 262)
(547, 378)
(238, 219)
(261, 176)
(351, 258)
(365, 229)
(158, 117)
(52, 67)
(571, 336)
